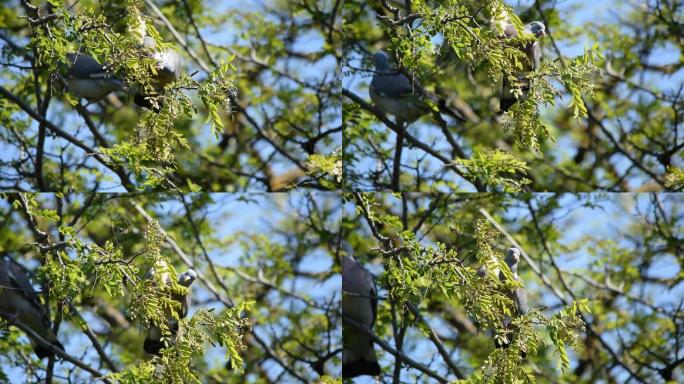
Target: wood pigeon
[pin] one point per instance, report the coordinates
(153, 341)
(395, 94)
(533, 62)
(89, 79)
(167, 71)
(359, 303)
(18, 301)
(168, 64)
(518, 295)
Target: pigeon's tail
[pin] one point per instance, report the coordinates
(153, 341)
(153, 346)
(507, 343)
(43, 352)
(360, 367)
(144, 101)
(507, 99)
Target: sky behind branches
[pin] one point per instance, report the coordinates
(249, 214)
(225, 35)
(582, 15)
(584, 220)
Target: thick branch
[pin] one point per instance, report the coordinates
(61, 133)
(399, 355)
(47, 345)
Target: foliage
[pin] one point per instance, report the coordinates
(595, 112)
(675, 179)
(234, 119)
(497, 169)
(591, 286)
(321, 165)
(104, 261)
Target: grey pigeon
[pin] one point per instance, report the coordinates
(18, 301)
(167, 70)
(395, 94)
(168, 64)
(533, 62)
(518, 295)
(153, 342)
(359, 303)
(89, 79)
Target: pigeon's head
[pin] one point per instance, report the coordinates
(186, 278)
(537, 28)
(347, 249)
(512, 258)
(348, 262)
(381, 61)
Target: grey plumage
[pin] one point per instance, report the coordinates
(518, 295)
(19, 301)
(394, 93)
(168, 64)
(153, 341)
(532, 50)
(89, 79)
(360, 304)
(167, 70)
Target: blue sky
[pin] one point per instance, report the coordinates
(581, 227)
(325, 68)
(228, 215)
(578, 12)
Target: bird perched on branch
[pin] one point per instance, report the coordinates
(89, 79)
(19, 302)
(533, 51)
(166, 71)
(395, 94)
(360, 304)
(518, 295)
(154, 341)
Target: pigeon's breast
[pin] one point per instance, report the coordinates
(404, 108)
(92, 89)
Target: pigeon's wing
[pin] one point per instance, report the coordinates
(509, 31)
(168, 63)
(22, 284)
(396, 86)
(534, 55)
(86, 67)
(374, 298)
(153, 340)
(19, 299)
(168, 67)
(153, 343)
(358, 356)
(521, 300)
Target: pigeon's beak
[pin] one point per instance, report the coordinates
(542, 33)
